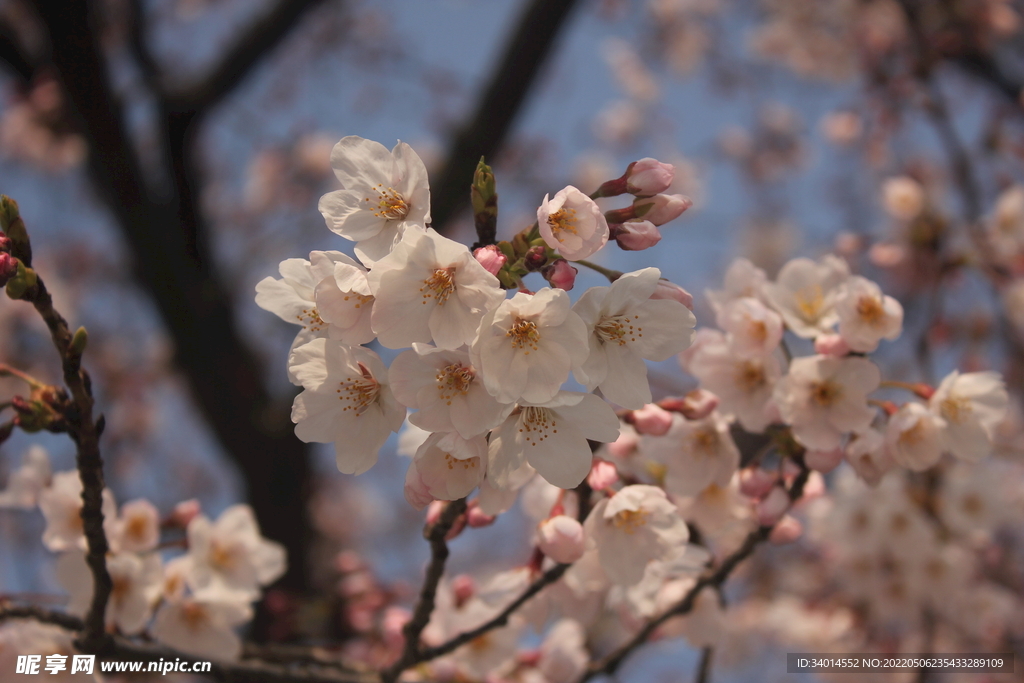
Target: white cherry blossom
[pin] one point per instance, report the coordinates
(866, 315)
(972, 404)
(445, 467)
(626, 326)
(752, 329)
(572, 224)
(743, 385)
(203, 624)
(346, 400)
(552, 438)
(430, 288)
(138, 527)
(914, 437)
(635, 526)
(61, 505)
(805, 293)
(382, 193)
(526, 347)
(695, 453)
(343, 298)
(231, 553)
(824, 397)
(28, 481)
(563, 654)
(138, 583)
(446, 390)
(867, 453)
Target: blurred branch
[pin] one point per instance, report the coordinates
(174, 263)
(707, 654)
(485, 131)
(241, 57)
(987, 69)
(18, 60)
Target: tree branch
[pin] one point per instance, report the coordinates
(428, 593)
(485, 131)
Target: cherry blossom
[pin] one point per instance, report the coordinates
(526, 347)
(382, 193)
(552, 438)
(345, 400)
(696, 453)
(343, 298)
(626, 326)
(972, 404)
(202, 624)
(138, 527)
(572, 224)
(866, 315)
(561, 538)
(430, 288)
(445, 467)
(446, 390)
(752, 329)
(914, 437)
(824, 397)
(138, 583)
(636, 525)
(742, 279)
(231, 552)
(805, 292)
(61, 505)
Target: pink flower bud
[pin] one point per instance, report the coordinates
(535, 258)
(477, 518)
(528, 657)
(395, 619)
(560, 274)
(602, 474)
(491, 258)
(8, 268)
(349, 561)
(561, 538)
(831, 345)
(755, 482)
(814, 488)
(623, 447)
(652, 420)
(771, 509)
(662, 208)
(696, 405)
(788, 530)
(635, 235)
(434, 511)
(5, 243)
(648, 177)
(184, 512)
(464, 588)
(669, 290)
(824, 461)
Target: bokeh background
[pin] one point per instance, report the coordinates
(168, 154)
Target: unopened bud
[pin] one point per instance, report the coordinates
(32, 415)
(485, 203)
(394, 620)
(184, 512)
(8, 268)
(788, 530)
(561, 539)
(648, 177)
(824, 461)
(670, 290)
(434, 511)
(463, 588)
(831, 345)
(14, 227)
(651, 420)
(560, 274)
(536, 258)
(491, 258)
(696, 405)
(635, 235)
(79, 341)
(771, 509)
(22, 282)
(5, 244)
(756, 482)
(603, 473)
(477, 518)
(661, 208)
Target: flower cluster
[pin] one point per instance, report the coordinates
(484, 372)
(192, 602)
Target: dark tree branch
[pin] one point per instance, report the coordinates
(241, 57)
(485, 131)
(707, 654)
(18, 60)
(428, 593)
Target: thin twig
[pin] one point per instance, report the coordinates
(707, 653)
